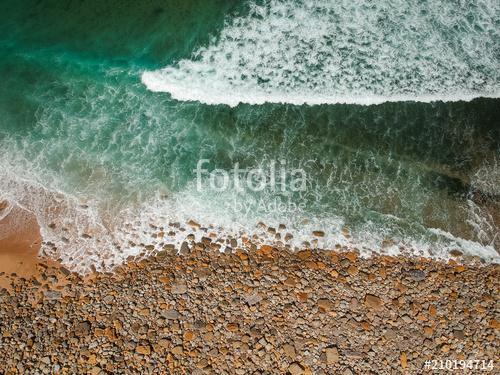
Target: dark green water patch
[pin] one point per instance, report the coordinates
(154, 31)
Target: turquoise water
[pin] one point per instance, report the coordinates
(390, 110)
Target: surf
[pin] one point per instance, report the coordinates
(351, 52)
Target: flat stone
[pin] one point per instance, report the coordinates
(143, 349)
(352, 270)
(52, 295)
(289, 350)
(179, 288)
(193, 224)
(253, 299)
(456, 253)
(459, 334)
(82, 329)
(373, 301)
(177, 350)
(417, 275)
(295, 369)
(171, 314)
(325, 304)
(332, 355)
(185, 248)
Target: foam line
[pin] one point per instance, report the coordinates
(354, 52)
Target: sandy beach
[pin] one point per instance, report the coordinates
(19, 244)
(264, 310)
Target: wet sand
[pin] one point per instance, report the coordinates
(19, 245)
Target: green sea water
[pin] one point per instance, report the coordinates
(107, 107)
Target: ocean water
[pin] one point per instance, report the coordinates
(390, 112)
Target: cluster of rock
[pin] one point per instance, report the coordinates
(251, 310)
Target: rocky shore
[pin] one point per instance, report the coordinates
(256, 310)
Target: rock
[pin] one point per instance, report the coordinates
(325, 304)
(169, 248)
(295, 369)
(304, 254)
(352, 354)
(52, 295)
(265, 250)
(179, 288)
(45, 360)
(108, 299)
(302, 297)
(202, 364)
(494, 324)
(407, 319)
(459, 334)
(417, 275)
(345, 262)
(289, 350)
(278, 311)
(403, 360)
(253, 299)
(177, 350)
(373, 301)
(65, 271)
(143, 349)
(390, 334)
(3, 205)
(164, 343)
(82, 329)
(193, 224)
(352, 270)
(352, 256)
(318, 233)
(428, 331)
(332, 355)
(432, 310)
(456, 253)
(171, 314)
(185, 250)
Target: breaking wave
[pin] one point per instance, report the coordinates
(324, 52)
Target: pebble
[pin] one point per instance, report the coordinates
(179, 288)
(332, 355)
(254, 310)
(373, 302)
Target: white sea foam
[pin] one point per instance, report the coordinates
(84, 233)
(84, 236)
(349, 51)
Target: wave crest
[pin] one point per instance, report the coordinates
(315, 52)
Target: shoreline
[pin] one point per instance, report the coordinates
(264, 309)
